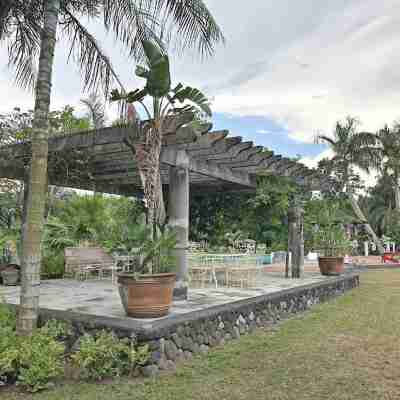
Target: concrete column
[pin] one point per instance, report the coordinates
(296, 240)
(366, 249)
(178, 211)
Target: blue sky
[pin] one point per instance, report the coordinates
(266, 132)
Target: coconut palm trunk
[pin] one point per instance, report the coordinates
(360, 215)
(35, 206)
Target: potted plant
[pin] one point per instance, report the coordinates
(330, 238)
(149, 295)
(334, 245)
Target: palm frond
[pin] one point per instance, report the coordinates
(131, 24)
(88, 8)
(23, 38)
(364, 151)
(188, 21)
(326, 139)
(362, 139)
(85, 50)
(133, 96)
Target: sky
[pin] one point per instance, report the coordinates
(289, 70)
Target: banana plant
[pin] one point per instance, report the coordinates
(165, 102)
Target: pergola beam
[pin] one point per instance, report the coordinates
(208, 168)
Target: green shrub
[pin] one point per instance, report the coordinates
(41, 360)
(104, 355)
(30, 361)
(53, 265)
(58, 330)
(7, 316)
(9, 354)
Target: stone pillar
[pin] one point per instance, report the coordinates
(296, 240)
(178, 211)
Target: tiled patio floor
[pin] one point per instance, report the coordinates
(101, 298)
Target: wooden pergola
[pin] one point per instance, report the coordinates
(209, 161)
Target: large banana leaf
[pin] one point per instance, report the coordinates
(158, 74)
(131, 97)
(192, 95)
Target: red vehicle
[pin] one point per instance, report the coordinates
(392, 258)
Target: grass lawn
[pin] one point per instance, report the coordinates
(348, 348)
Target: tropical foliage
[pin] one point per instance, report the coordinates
(220, 218)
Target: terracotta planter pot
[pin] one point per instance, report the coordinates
(149, 296)
(331, 265)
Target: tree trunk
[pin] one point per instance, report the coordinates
(397, 195)
(359, 214)
(296, 242)
(147, 155)
(33, 227)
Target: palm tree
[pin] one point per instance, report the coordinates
(30, 28)
(378, 204)
(352, 149)
(390, 145)
(95, 110)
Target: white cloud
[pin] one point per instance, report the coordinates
(313, 162)
(347, 64)
(265, 131)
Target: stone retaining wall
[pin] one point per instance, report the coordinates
(180, 337)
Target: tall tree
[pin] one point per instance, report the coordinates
(30, 29)
(34, 214)
(378, 204)
(389, 140)
(352, 149)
